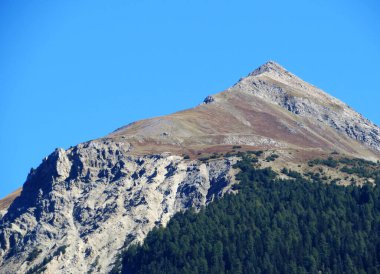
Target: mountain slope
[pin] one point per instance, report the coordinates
(81, 206)
(294, 225)
(271, 108)
(7, 201)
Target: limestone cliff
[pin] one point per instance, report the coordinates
(94, 199)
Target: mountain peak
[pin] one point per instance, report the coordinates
(269, 67)
(278, 73)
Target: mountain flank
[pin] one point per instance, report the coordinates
(7, 201)
(82, 207)
(300, 223)
(269, 109)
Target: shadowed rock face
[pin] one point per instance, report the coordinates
(98, 197)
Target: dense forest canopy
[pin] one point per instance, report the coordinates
(272, 225)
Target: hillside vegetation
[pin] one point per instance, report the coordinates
(271, 225)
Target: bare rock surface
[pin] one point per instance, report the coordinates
(94, 199)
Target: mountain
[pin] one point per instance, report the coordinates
(271, 108)
(83, 205)
(300, 224)
(7, 201)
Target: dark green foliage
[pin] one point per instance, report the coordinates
(360, 167)
(270, 226)
(215, 155)
(204, 159)
(357, 161)
(229, 154)
(316, 177)
(271, 158)
(291, 173)
(330, 162)
(257, 153)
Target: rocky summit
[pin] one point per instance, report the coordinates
(82, 206)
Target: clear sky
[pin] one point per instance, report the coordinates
(71, 71)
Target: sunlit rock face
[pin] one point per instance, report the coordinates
(95, 199)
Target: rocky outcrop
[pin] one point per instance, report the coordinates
(208, 100)
(81, 206)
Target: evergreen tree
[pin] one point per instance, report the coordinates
(270, 226)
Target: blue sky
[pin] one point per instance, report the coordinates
(71, 71)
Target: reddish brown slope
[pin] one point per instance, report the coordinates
(269, 109)
(7, 201)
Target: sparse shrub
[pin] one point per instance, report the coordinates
(258, 153)
(271, 158)
(204, 159)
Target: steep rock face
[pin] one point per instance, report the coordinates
(94, 199)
